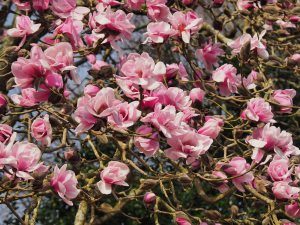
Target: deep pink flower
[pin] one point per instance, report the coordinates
(158, 32)
(40, 5)
(212, 127)
(114, 174)
(285, 99)
(182, 221)
(282, 190)
(245, 4)
(124, 115)
(64, 183)
(227, 79)
(258, 110)
(91, 90)
(63, 8)
(185, 24)
(208, 55)
(146, 140)
(41, 130)
(189, 145)
(3, 101)
(5, 133)
(293, 210)
(166, 120)
(278, 169)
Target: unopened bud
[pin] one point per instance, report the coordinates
(149, 197)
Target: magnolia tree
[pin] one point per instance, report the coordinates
(149, 112)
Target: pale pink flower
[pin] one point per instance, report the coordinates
(110, 2)
(5, 133)
(177, 97)
(158, 32)
(146, 140)
(258, 110)
(91, 90)
(282, 190)
(278, 169)
(124, 115)
(24, 27)
(41, 130)
(135, 4)
(157, 10)
(185, 24)
(142, 70)
(197, 95)
(79, 13)
(114, 174)
(30, 97)
(293, 210)
(227, 79)
(166, 120)
(64, 183)
(208, 55)
(5, 152)
(248, 82)
(189, 145)
(149, 197)
(212, 127)
(130, 89)
(238, 166)
(285, 99)
(63, 8)
(271, 138)
(295, 58)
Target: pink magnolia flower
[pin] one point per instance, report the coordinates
(91, 90)
(124, 115)
(166, 120)
(40, 5)
(282, 190)
(5, 133)
(135, 4)
(177, 97)
(258, 110)
(189, 145)
(223, 186)
(208, 55)
(182, 221)
(3, 101)
(239, 167)
(295, 58)
(24, 27)
(245, 4)
(146, 140)
(26, 159)
(249, 81)
(187, 2)
(149, 197)
(41, 130)
(63, 8)
(30, 97)
(227, 79)
(271, 138)
(158, 32)
(114, 174)
(157, 10)
(197, 95)
(142, 70)
(5, 152)
(278, 169)
(64, 183)
(22, 5)
(110, 2)
(293, 210)
(285, 99)
(256, 44)
(287, 222)
(185, 24)
(212, 127)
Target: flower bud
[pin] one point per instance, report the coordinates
(149, 197)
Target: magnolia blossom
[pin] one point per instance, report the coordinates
(30, 97)
(285, 99)
(64, 183)
(24, 27)
(22, 5)
(40, 5)
(63, 8)
(256, 44)
(157, 10)
(142, 70)
(271, 138)
(293, 210)
(149, 197)
(249, 81)
(5, 133)
(114, 174)
(212, 127)
(227, 79)
(258, 110)
(189, 145)
(282, 190)
(197, 95)
(41, 130)
(124, 115)
(91, 90)
(146, 140)
(238, 166)
(185, 24)
(158, 32)
(182, 221)
(166, 120)
(5, 153)
(278, 169)
(177, 97)
(223, 186)
(208, 55)
(135, 4)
